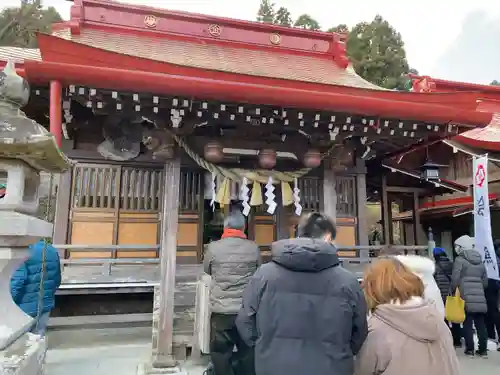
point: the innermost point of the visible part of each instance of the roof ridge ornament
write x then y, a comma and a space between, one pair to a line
20, 137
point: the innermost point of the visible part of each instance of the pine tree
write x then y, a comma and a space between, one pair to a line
305, 21
266, 12
377, 52
283, 17
18, 26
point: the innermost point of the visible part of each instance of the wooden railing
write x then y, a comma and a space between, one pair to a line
366, 254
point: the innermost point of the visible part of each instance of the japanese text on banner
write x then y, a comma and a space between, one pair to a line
482, 219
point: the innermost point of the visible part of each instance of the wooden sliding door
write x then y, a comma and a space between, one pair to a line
121, 205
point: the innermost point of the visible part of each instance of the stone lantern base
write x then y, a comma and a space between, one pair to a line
21, 352
25, 356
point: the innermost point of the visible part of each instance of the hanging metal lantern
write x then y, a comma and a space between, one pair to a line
267, 158
312, 159
213, 152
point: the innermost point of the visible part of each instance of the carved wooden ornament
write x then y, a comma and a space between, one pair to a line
150, 21
214, 30
275, 39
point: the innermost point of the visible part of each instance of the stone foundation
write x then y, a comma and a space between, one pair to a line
25, 356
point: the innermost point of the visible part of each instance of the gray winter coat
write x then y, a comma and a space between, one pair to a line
469, 275
231, 262
303, 312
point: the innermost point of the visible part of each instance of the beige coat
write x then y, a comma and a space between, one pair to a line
409, 339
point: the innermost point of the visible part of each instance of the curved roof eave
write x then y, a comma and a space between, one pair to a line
207, 88
62, 50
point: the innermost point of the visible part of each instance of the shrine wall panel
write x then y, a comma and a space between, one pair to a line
121, 205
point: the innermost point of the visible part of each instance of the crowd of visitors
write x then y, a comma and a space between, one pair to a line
303, 313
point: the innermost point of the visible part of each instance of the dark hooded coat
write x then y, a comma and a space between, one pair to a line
303, 312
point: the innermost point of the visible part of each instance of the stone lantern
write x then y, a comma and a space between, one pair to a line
26, 148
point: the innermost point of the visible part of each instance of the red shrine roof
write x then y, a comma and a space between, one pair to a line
119, 46
488, 101
216, 57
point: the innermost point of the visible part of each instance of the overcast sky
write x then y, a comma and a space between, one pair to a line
451, 39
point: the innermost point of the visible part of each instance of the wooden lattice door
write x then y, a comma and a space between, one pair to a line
121, 205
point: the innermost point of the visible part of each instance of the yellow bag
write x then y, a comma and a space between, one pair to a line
455, 308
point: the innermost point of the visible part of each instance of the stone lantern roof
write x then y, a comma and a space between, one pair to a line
20, 137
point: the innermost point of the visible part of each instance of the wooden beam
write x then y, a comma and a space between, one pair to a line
56, 111
385, 213
61, 219
170, 212
390, 200
329, 193
416, 218
405, 189
282, 218
361, 211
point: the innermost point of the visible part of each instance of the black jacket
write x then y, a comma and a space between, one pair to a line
444, 269
304, 313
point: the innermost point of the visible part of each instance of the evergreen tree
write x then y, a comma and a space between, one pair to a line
283, 17
18, 26
342, 29
378, 55
305, 21
266, 12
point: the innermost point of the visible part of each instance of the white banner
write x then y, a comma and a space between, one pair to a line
482, 219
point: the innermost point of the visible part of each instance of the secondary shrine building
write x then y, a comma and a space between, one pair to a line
193, 114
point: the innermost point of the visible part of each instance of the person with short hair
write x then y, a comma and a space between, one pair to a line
406, 335
231, 262
303, 312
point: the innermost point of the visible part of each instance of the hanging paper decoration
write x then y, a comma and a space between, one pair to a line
214, 193
224, 193
245, 196
256, 199
296, 198
286, 194
271, 204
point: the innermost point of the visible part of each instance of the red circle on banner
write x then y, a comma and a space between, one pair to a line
480, 176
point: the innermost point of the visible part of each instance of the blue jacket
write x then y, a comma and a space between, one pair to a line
25, 283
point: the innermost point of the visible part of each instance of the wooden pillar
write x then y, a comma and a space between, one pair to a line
282, 218
329, 193
61, 220
384, 203
56, 111
168, 257
416, 219
361, 202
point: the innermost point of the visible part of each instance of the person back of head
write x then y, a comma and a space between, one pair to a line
235, 220
388, 280
439, 254
464, 243
317, 225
